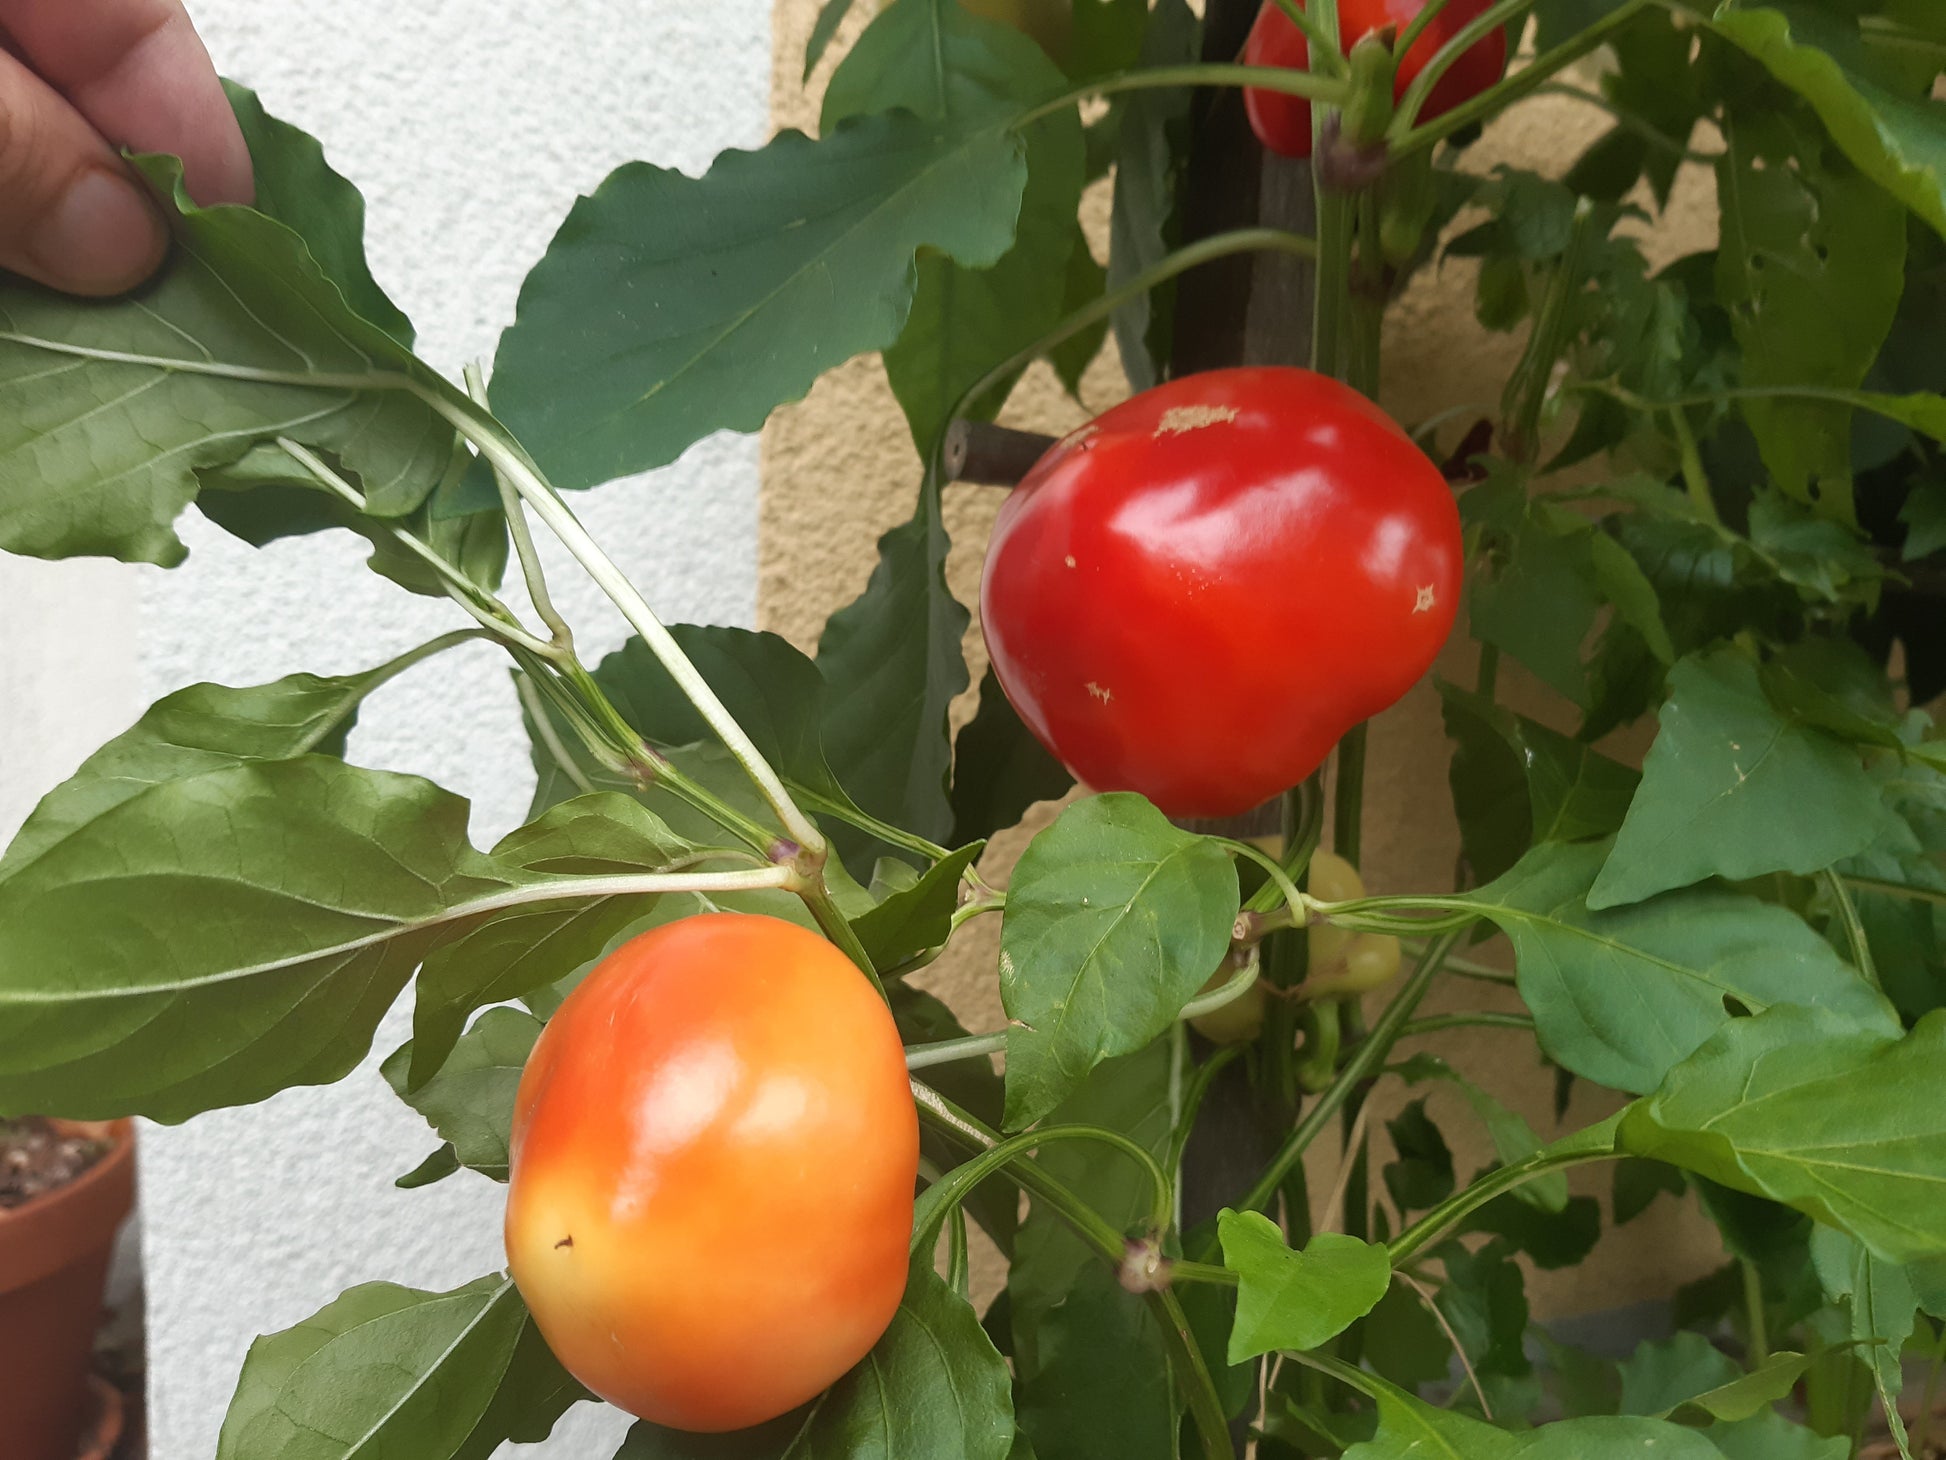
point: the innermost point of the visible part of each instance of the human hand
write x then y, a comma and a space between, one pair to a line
78, 80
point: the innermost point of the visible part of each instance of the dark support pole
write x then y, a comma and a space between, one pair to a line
990, 456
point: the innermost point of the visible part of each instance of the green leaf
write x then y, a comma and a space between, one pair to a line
1924, 516
1811, 268
1516, 782
1296, 1300
1896, 138
1513, 1138
391, 1373
1114, 920
1409, 1429
1660, 1377
938, 60
1804, 1108
831, 15
1092, 1363
1733, 788
1150, 145
1767, 1435
1422, 1177
1622, 995
297, 187
438, 1166
1539, 604
1878, 1304
215, 938
1638, 1183
919, 917
670, 307
526, 947
932, 1388
999, 769
204, 727
1551, 1239
893, 662
470, 1101
109, 407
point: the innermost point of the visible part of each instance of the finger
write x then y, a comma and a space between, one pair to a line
137, 70
70, 214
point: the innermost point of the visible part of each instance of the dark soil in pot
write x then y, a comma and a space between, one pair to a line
65, 1188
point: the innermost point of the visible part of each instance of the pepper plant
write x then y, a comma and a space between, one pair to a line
1712, 492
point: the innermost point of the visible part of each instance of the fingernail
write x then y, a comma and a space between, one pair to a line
101, 237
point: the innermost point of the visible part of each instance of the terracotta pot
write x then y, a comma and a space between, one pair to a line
54, 1255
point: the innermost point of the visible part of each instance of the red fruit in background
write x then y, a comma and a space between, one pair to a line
1283, 123
1196, 595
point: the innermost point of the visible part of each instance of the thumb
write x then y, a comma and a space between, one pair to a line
71, 216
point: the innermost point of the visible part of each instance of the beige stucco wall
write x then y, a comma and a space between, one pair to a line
839, 469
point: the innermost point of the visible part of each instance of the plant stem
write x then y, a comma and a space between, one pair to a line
1416, 27
1520, 83
865, 821
1481, 1019
1597, 1143
504, 457
1448, 55
1753, 1314
1322, 52
1182, 1270
1279, 878
957, 1184
523, 538
1304, 821
1526, 393
1854, 926
1364, 1062
1894, 889
1192, 1101
1193, 1375
973, 1046
1203, 251
1206, 73
549, 737
1695, 479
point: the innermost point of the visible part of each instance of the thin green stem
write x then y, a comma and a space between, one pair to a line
1293, 899
1630, 122
1448, 55
1192, 1374
1333, 281
1348, 805
866, 822
1753, 1314
1527, 79
1182, 1270
1695, 480
953, 1188
1192, 1102
1854, 926
974, 1046
1304, 817
837, 927
1208, 73
523, 537
1597, 1143
549, 737
1323, 50
1894, 889
1416, 27
1203, 251
1554, 327
1364, 1062
1480, 1019
1489, 672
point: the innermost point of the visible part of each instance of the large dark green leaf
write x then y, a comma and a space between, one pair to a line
1735, 788
391, 1373
1512, 1137
470, 1101
109, 407
1091, 1362
938, 60
1890, 132
297, 187
1620, 996
1296, 1300
999, 769
1114, 920
524, 948
669, 307
932, 1388
1800, 1106
1811, 269
892, 661
1767, 1435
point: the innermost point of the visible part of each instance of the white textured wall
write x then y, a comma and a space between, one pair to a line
470, 125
